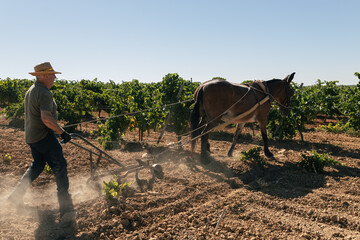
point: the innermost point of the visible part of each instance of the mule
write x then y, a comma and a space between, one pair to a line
219, 101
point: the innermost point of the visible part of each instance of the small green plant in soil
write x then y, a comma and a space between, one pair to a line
337, 128
253, 156
316, 162
48, 170
113, 188
7, 158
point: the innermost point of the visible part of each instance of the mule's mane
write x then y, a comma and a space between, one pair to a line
214, 79
244, 82
274, 80
267, 81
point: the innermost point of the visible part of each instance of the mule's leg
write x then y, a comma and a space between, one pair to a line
196, 131
239, 127
205, 145
205, 149
265, 139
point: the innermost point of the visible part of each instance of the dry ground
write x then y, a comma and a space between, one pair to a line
226, 199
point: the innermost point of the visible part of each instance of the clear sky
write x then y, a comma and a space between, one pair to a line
199, 39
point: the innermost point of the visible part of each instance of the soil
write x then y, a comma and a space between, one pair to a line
225, 199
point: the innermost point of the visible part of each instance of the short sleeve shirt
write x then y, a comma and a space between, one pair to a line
37, 98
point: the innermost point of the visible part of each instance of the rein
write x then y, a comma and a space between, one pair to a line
258, 104
223, 125
268, 97
265, 90
218, 117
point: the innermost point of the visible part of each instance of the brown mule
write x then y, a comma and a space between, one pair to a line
219, 100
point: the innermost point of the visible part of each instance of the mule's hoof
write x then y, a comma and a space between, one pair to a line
205, 160
269, 155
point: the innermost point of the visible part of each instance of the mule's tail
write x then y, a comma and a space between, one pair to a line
195, 117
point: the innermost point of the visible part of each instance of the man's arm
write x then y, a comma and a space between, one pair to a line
50, 122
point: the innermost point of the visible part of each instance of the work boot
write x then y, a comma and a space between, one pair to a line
67, 212
17, 195
65, 203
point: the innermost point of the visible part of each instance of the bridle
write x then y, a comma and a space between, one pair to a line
287, 95
266, 91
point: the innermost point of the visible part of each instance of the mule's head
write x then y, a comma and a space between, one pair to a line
284, 94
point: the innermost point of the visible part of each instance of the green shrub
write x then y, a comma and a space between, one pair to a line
339, 128
316, 162
253, 156
113, 188
7, 158
48, 170
15, 110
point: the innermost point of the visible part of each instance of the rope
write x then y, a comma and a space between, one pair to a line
127, 114
221, 126
271, 96
179, 143
267, 98
205, 124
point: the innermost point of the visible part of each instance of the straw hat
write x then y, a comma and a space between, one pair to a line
43, 68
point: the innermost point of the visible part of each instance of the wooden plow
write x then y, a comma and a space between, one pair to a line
156, 170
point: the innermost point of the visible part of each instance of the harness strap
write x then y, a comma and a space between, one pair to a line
253, 91
265, 88
268, 92
262, 86
225, 112
255, 94
239, 117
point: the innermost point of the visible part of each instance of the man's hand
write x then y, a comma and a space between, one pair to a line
66, 137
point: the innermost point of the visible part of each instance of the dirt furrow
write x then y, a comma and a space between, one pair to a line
272, 211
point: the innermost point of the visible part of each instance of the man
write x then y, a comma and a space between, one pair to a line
40, 128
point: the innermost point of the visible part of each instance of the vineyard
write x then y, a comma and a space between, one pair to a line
309, 190
145, 107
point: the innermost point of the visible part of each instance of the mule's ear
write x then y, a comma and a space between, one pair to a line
289, 77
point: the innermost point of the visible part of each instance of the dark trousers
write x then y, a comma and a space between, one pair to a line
47, 150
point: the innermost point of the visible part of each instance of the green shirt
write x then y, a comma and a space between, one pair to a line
37, 98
